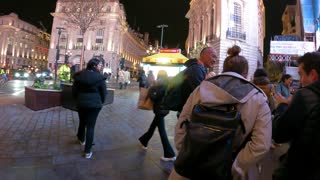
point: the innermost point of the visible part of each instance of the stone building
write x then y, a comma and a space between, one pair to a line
22, 44
110, 38
224, 23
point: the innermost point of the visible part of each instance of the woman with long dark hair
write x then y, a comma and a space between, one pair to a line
89, 89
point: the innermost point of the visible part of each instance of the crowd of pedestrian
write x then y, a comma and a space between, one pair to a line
271, 113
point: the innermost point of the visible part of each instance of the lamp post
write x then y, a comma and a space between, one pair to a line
58, 53
162, 26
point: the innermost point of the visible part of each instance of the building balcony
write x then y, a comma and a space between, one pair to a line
210, 38
236, 34
77, 47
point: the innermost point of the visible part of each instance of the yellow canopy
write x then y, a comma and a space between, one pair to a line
165, 58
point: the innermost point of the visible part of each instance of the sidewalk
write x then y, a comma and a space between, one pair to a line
42, 144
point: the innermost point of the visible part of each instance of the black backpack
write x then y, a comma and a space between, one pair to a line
173, 99
207, 147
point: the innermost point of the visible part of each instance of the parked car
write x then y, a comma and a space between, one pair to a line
45, 74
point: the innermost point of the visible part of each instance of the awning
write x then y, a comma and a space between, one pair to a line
165, 59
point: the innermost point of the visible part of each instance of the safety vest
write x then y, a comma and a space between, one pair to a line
64, 73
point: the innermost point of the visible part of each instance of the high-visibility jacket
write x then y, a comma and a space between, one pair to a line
64, 72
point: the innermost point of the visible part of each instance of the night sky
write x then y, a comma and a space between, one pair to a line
142, 15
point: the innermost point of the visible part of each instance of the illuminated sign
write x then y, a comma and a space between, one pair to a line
174, 50
291, 47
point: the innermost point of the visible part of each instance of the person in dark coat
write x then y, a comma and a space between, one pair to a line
142, 79
150, 79
195, 72
89, 90
261, 79
299, 125
156, 93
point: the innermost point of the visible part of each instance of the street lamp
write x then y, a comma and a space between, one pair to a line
58, 53
67, 55
162, 26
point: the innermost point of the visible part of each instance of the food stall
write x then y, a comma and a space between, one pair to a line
170, 60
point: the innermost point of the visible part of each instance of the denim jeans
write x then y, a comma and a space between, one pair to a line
87, 122
158, 121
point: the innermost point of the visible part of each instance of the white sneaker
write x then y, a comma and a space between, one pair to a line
143, 147
88, 155
168, 159
82, 143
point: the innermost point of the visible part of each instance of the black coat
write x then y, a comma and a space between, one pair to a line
303, 132
156, 94
142, 79
89, 89
194, 74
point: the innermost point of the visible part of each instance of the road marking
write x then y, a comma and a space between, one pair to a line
17, 93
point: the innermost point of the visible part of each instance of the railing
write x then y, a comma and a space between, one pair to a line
236, 34
77, 47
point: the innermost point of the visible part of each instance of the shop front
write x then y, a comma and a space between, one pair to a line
170, 60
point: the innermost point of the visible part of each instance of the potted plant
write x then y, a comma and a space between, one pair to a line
42, 96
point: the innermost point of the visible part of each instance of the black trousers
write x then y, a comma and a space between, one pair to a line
158, 121
87, 122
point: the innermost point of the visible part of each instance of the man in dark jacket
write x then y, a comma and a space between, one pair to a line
300, 124
195, 72
89, 90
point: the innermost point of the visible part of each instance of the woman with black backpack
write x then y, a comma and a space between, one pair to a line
156, 94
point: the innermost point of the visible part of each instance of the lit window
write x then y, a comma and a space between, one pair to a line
99, 41
100, 32
235, 23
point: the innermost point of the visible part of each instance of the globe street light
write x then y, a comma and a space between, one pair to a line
151, 50
67, 55
58, 53
162, 26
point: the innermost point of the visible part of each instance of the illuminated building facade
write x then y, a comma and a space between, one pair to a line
22, 44
111, 38
224, 23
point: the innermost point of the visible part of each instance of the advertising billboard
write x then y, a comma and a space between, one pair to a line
291, 47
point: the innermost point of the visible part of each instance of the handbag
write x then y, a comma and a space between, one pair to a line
144, 101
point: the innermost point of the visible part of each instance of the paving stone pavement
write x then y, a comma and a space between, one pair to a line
36, 145
42, 144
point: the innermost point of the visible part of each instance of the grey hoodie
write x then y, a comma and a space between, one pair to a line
254, 109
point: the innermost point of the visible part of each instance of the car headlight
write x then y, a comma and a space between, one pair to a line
38, 75
51, 74
44, 74
16, 75
25, 75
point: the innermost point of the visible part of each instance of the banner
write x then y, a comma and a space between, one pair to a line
291, 47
